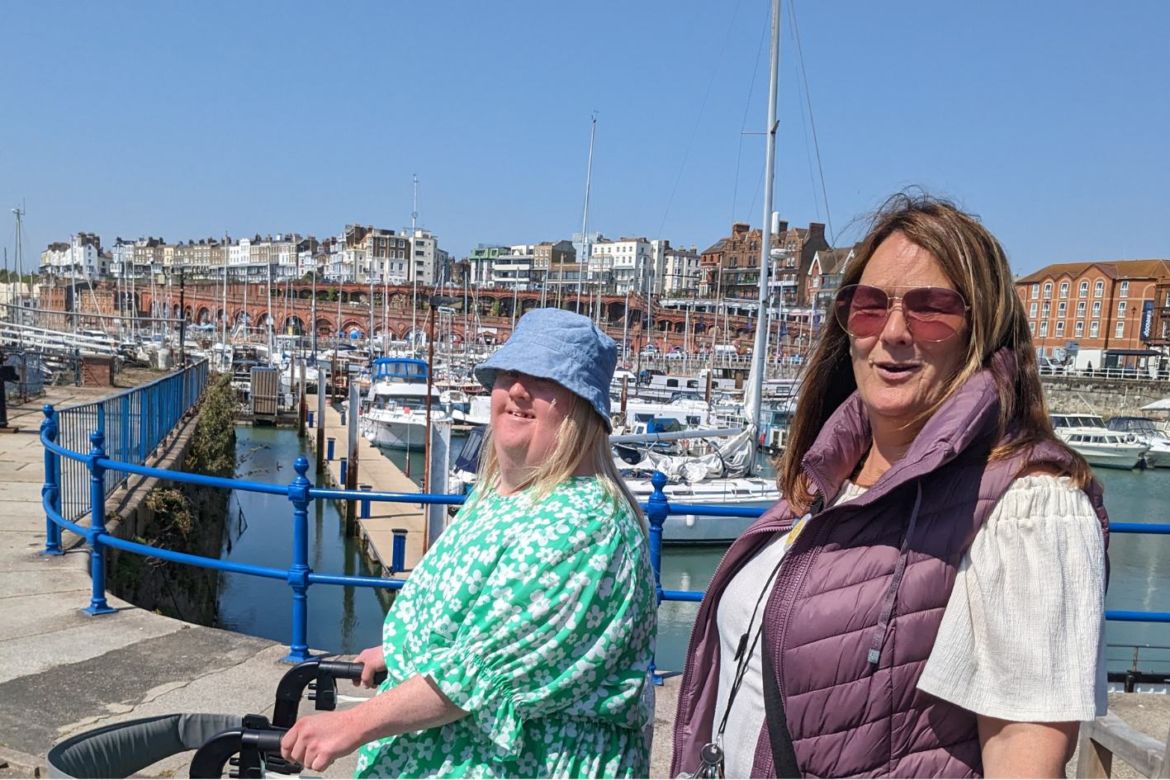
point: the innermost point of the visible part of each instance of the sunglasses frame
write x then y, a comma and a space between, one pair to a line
907, 315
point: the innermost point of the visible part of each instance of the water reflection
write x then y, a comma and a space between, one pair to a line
342, 620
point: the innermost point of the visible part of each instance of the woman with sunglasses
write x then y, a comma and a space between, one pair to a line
928, 598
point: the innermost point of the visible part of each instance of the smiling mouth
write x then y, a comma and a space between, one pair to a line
521, 415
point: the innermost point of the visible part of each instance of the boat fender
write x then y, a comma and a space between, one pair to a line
690, 521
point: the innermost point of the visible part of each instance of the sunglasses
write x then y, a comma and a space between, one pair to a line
931, 313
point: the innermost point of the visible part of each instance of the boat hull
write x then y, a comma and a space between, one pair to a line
692, 529
1113, 458
395, 434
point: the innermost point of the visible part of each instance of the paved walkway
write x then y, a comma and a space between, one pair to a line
62, 672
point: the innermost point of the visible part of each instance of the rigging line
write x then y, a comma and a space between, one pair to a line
811, 121
812, 174
698, 118
743, 123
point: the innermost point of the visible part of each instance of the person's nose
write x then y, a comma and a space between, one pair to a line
896, 330
518, 390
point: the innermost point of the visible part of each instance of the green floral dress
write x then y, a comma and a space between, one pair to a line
538, 621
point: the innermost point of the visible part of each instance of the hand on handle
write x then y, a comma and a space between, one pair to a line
374, 663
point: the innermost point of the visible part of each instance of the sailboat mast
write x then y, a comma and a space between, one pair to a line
223, 319
585, 216
756, 377
410, 265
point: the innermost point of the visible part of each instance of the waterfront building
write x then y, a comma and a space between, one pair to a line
79, 258
824, 277
628, 261
677, 269
730, 267
1100, 313
546, 254
481, 260
425, 257
147, 258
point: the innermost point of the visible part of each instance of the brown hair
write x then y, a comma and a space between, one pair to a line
582, 438
976, 265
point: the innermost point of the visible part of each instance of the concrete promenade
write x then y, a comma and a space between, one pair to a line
63, 672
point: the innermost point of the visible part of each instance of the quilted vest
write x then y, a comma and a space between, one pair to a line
856, 607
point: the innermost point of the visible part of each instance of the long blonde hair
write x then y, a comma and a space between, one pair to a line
977, 266
582, 438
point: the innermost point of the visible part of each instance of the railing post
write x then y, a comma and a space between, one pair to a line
656, 510
97, 525
298, 575
52, 487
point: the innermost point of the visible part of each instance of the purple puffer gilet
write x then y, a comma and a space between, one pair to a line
856, 607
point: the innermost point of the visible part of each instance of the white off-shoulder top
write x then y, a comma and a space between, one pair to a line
1022, 636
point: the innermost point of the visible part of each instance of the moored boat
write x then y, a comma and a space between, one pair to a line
1098, 445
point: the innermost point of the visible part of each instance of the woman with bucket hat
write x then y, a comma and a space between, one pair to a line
520, 645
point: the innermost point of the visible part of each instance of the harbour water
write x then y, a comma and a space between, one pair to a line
347, 620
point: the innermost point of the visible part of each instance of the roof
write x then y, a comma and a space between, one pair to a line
718, 246
1114, 269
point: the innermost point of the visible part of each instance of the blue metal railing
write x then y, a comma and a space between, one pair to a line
97, 465
132, 423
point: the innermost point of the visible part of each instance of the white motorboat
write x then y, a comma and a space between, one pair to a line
1144, 430
1100, 446
395, 414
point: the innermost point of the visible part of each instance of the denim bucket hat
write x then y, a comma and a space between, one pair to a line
562, 346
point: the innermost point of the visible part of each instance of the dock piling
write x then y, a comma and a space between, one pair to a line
398, 556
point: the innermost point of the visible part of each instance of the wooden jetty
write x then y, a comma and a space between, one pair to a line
376, 470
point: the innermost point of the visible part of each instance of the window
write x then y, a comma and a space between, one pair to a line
1081, 309
1043, 328
1125, 289
1094, 329
1032, 310
1061, 309
1064, 289
1079, 330
1032, 327
1119, 331
1096, 308
1048, 289
1060, 327
1046, 310
1083, 290
1035, 290
1099, 289
1121, 310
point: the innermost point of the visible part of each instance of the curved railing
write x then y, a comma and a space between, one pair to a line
300, 493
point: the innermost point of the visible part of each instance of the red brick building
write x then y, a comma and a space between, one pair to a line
730, 268
1107, 314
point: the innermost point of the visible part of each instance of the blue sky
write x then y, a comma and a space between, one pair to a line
1049, 120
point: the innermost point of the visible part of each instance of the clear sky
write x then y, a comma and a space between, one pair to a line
1051, 120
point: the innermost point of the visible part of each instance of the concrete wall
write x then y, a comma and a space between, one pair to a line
1107, 398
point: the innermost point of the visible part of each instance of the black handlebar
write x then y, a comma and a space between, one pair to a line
258, 742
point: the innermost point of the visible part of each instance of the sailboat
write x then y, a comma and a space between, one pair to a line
727, 476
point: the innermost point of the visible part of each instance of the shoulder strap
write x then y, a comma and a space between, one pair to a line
783, 754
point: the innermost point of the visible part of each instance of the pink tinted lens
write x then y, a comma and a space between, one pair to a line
862, 310
934, 313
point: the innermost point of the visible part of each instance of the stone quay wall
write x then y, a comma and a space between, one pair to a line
1104, 397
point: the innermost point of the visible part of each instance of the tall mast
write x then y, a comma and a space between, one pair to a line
754, 391
410, 265
19, 212
585, 248
223, 320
